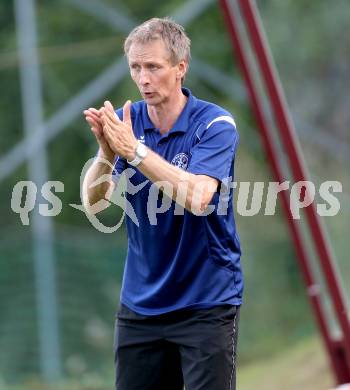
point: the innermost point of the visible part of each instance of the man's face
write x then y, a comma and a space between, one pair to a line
152, 71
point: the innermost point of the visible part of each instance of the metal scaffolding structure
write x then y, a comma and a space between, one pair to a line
247, 36
42, 228
244, 12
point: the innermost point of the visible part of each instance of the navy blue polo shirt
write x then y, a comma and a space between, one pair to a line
175, 259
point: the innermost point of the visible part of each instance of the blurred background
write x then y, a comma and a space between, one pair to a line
60, 277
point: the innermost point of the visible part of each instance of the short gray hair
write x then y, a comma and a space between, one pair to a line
172, 34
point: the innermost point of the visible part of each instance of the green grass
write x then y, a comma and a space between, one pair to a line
302, 367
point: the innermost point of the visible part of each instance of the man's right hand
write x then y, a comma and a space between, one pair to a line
92, 116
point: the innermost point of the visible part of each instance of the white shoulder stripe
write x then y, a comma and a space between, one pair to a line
225, 118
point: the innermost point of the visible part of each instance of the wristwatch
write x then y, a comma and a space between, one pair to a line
140, 153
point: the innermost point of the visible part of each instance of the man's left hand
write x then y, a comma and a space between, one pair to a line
119, 134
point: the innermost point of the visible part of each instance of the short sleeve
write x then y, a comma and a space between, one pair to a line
214, 152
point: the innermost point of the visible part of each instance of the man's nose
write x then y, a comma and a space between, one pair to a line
144, 76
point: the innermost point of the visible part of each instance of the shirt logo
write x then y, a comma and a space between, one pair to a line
180, 160
142, 139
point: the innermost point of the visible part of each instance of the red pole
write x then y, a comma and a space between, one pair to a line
304, 260
292, 148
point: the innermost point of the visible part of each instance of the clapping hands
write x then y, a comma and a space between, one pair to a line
114, 136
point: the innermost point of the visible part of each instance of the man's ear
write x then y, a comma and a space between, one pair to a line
181, 69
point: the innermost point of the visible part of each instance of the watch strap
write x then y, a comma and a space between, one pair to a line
136, 161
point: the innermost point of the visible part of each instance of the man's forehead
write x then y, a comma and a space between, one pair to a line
154, 49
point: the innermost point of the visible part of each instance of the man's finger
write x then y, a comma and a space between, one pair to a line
127, 113
108, 114
108, 105
94, 126
91, 111
96, 134
89, 114
106, 118
109, 108
107, 132
91, 121
94, 111
111, 118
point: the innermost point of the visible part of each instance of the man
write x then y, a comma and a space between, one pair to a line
182, 284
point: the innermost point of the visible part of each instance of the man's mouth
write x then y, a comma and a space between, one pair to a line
148, 94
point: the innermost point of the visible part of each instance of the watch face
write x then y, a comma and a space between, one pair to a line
141, 150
